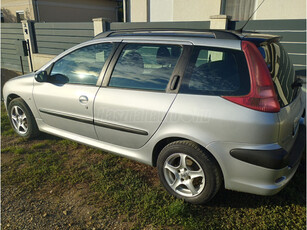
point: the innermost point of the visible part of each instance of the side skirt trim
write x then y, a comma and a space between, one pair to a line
97, 123
120, 128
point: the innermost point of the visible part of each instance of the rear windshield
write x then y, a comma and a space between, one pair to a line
216, 72
282, 71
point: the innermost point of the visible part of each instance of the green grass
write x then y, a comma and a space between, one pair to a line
5, 123
120, 188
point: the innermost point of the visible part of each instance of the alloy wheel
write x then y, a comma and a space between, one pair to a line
184, 174
19, 120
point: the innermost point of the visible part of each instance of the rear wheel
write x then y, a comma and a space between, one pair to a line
188, 172
22, 119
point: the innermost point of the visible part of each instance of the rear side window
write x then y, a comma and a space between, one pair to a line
216, 72
145, 66
282, 71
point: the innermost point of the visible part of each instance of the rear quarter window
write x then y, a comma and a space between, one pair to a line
216, 72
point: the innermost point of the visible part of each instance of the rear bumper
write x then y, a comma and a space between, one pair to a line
256, 176
273, 159
298, 148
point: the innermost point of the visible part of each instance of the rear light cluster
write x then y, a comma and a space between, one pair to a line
262, 96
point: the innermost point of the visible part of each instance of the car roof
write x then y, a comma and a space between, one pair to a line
202, 33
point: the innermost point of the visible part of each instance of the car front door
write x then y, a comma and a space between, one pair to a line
138, 90
65, 98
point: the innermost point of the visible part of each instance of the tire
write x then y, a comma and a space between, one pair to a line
22, 119
188, 172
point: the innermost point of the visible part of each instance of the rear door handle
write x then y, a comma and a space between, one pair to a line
174, 82
83, 99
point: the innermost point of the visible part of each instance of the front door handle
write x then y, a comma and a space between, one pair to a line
83, 99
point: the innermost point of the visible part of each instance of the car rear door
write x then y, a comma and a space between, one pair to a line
291, 101
136, 93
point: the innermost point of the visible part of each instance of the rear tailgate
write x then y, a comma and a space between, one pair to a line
289, 117
289, 96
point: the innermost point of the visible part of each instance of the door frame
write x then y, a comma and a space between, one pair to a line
178, 70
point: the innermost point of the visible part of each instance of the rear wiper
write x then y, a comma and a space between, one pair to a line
297, 83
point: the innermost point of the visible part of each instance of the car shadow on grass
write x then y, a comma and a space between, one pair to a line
293, 193
47, 137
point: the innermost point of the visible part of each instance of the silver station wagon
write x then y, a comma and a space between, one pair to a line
207, 108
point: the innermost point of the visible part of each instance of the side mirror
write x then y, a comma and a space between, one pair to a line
41, 76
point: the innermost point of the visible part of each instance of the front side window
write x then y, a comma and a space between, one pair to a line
145, 66
82, 66
216, 72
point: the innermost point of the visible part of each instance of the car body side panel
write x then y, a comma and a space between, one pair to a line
212, 118
139, 110
220, 126
238, 175
21, 86
64, 110
142, 155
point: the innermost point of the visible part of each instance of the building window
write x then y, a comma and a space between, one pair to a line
20, 15
238, 9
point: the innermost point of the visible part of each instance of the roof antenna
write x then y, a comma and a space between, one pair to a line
241, 29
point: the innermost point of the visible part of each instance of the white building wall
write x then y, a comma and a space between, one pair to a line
161, 10
138, 10
281, 9
195, 10
201, 10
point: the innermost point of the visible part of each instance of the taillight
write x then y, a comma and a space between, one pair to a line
262, 96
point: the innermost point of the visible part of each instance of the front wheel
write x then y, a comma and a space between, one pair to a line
188, 172
22, 119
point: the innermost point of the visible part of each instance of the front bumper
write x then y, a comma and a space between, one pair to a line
256, 176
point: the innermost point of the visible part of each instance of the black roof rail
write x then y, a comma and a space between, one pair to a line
219, 34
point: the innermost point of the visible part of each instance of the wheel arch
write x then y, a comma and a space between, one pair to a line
162, 143
11, 97
32, 125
